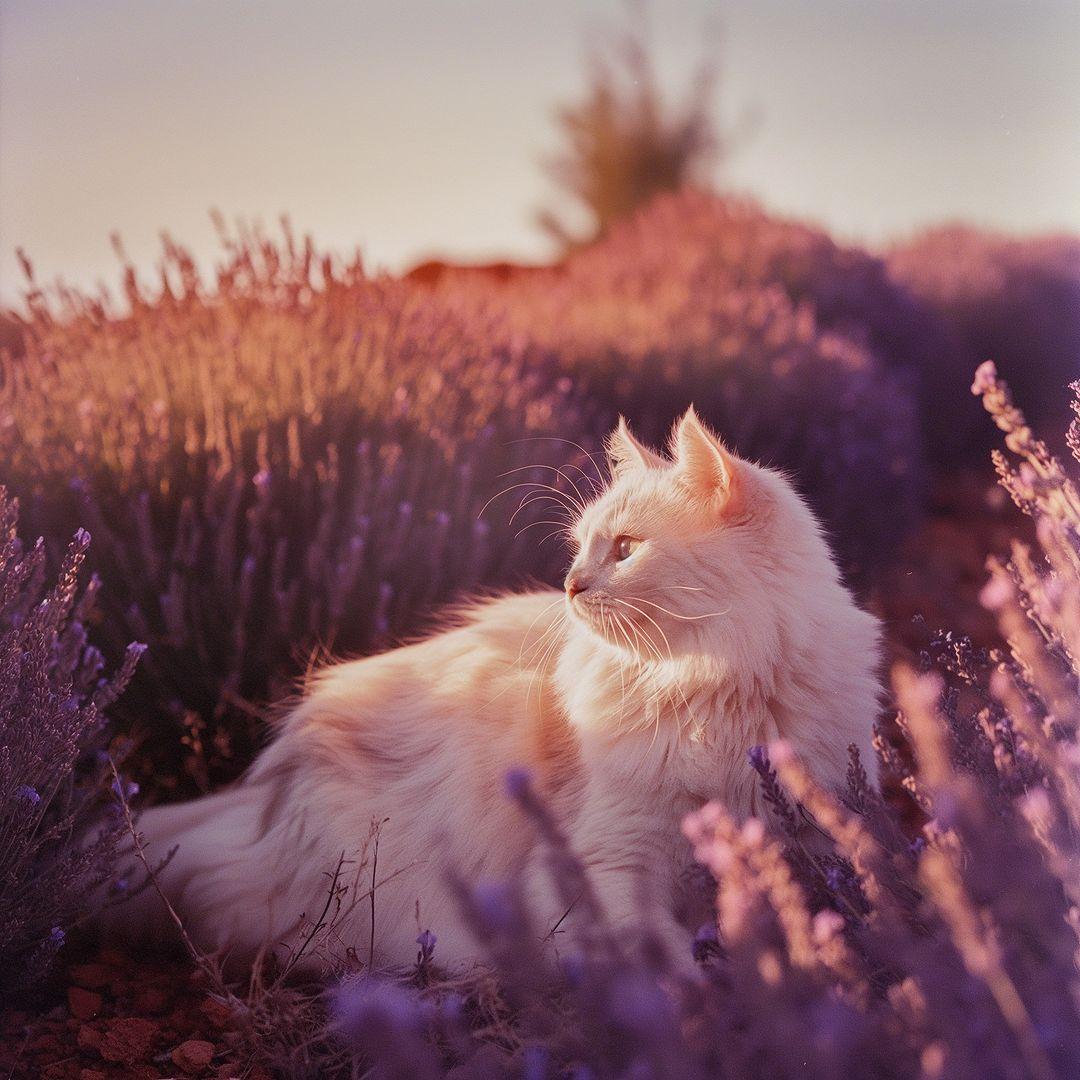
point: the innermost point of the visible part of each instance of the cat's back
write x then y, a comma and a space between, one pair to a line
489, 642
477, 691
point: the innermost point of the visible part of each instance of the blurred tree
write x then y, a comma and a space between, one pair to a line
623, 143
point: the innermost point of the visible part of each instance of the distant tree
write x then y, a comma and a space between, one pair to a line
624, 143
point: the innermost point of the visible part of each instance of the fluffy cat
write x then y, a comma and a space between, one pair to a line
703, 614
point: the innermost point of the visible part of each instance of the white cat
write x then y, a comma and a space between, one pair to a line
702, 615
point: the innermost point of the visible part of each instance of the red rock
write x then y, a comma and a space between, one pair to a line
46, 1042
217, 1012
89, 1038
193, 1056
84, 1004
151, 1000
92, 976
91, 1074
129, 1041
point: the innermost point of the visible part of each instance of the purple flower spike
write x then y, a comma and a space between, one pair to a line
28, 794
758, 758
125, 789
518, 782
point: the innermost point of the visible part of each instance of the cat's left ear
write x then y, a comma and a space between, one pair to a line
626, 454
704, 466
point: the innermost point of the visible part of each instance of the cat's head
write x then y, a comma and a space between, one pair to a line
696, 552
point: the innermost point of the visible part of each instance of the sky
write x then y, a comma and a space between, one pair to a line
413, 128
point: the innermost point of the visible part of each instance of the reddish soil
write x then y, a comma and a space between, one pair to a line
941, 569
108, 1015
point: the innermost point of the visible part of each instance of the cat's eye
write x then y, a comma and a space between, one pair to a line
625, 546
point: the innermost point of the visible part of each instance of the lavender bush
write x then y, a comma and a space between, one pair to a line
56, 841
938, 938
697, 245
673, 307
294, 458
1014, 301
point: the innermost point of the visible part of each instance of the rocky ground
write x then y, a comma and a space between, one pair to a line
109, 1014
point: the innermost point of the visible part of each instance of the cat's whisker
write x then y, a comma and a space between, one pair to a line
528, 500
594, 488
635, 648
645, 614
541, 672
618, 622
558, 472
664, 637
677, 615
525, 639
563, 532
542, 521
622, 670
600, 476
573, 507
545, 639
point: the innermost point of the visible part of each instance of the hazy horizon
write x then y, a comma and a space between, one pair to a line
417, 129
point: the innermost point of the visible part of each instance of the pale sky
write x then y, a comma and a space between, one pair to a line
417, 127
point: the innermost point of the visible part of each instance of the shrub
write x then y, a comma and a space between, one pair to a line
1013, 301
295, 456
624, 143
53, 780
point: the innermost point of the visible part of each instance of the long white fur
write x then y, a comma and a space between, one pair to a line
632, 703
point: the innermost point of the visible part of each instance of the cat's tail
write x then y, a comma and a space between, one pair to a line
210, 873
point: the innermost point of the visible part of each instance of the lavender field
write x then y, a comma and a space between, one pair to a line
235, 479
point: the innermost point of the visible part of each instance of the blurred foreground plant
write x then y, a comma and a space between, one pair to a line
57, 843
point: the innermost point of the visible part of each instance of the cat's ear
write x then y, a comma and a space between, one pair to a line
704, 466
626, 454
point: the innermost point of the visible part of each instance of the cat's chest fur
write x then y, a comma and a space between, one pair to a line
679, 727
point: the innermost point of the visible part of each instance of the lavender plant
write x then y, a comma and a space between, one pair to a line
1015, 301
57, 842
700, 245
295, 458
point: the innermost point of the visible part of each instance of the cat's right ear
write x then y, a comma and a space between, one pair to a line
626, 454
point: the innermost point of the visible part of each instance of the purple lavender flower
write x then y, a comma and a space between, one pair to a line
518, 782
534, 1063
494, 904
125, 789
50, 729
758, 757
706, 942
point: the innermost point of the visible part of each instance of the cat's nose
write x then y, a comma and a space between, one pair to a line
575, 584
